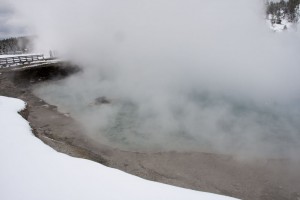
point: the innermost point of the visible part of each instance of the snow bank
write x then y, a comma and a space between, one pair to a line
31, 170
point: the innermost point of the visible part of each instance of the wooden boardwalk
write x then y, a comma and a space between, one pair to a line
21, 60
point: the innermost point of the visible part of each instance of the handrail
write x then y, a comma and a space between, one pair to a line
20, 60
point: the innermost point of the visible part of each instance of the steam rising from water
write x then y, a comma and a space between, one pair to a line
180, 75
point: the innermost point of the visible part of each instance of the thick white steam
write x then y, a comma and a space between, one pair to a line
201, 75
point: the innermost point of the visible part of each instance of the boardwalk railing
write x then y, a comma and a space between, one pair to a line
20, 60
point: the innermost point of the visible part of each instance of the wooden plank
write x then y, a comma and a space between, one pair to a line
10, 60
35, 58
41, 57
29, 59
17, 59
23, 58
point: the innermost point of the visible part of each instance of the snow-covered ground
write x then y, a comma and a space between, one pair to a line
33, 171
284, 25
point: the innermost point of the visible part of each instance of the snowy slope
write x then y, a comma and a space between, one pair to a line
33, 171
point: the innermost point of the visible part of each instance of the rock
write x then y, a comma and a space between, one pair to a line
101, 100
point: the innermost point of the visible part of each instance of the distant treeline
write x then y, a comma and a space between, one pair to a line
284, 9
16, 45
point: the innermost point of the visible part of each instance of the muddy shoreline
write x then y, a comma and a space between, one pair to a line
221, 174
